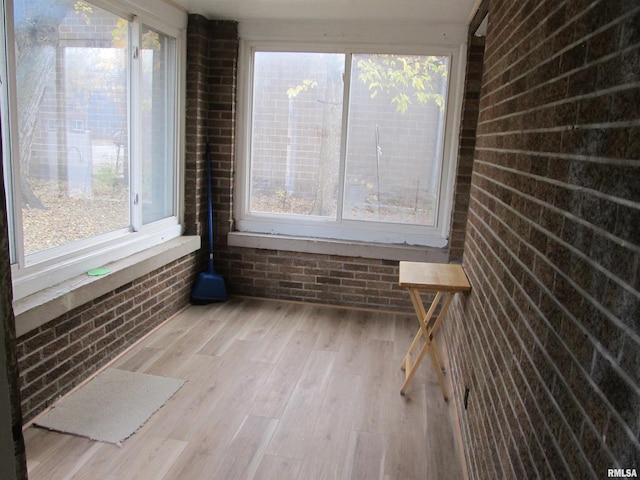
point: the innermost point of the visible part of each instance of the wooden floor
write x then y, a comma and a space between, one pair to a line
277, 391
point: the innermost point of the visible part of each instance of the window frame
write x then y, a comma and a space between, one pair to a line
42, 270
320, 229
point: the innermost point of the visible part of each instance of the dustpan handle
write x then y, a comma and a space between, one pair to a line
209, 202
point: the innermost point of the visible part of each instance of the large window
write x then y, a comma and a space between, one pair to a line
346, 145
90, 122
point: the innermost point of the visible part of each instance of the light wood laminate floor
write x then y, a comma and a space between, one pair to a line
277, 391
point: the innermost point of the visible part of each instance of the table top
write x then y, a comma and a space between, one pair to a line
442, 277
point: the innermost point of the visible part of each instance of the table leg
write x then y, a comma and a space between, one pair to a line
424, 319
426, 332
436, 326
434, 358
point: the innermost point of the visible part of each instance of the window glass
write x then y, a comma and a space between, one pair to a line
157, 112
396, 122
71, 90
297, 115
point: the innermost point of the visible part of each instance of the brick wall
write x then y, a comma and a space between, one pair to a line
212, 52
466, 148
60, 354
548, 339
332, 279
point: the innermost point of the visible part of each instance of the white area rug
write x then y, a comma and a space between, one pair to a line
110, 407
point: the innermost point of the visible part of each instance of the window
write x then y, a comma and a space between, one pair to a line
77, 126
90, 119
347, 145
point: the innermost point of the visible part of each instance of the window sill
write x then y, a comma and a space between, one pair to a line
41, 307
339, 247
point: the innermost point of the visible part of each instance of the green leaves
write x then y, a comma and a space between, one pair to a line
411, 78
303, 87
405, 79
84, 10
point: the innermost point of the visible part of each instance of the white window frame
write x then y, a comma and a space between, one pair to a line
42, 270
345, 230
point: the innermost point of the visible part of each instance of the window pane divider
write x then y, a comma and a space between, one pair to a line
346, 89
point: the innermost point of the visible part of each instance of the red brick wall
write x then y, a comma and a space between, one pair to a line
548, 339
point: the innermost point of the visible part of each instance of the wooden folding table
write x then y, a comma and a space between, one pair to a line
445, 280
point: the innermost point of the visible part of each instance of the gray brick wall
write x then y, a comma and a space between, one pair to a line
547, 341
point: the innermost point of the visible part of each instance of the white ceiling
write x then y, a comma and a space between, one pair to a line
392, 11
